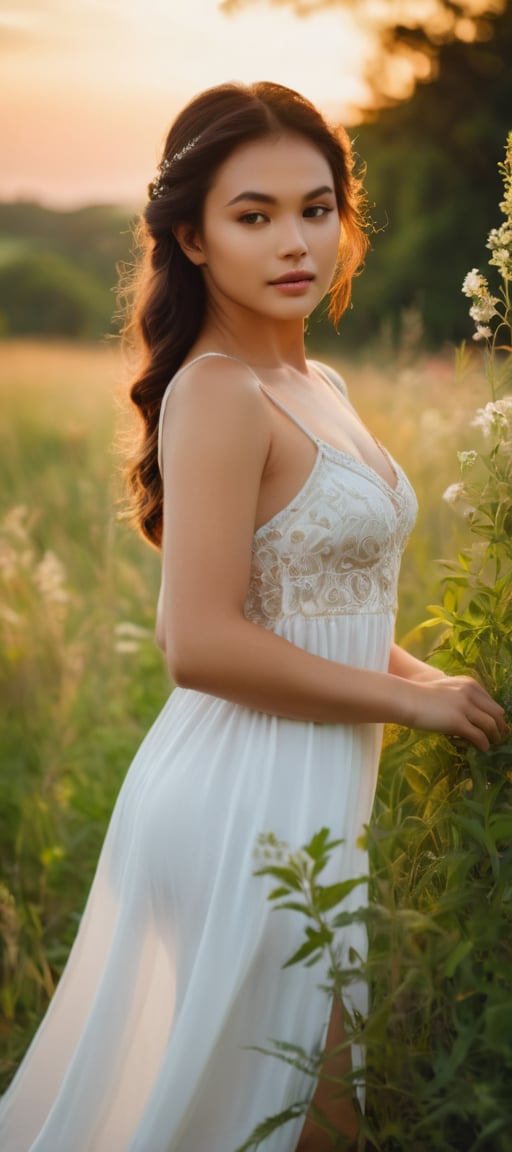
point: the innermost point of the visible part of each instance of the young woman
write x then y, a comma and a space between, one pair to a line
281, 523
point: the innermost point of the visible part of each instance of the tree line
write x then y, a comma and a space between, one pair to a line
433, 185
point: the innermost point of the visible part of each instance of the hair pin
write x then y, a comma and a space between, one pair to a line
158, 186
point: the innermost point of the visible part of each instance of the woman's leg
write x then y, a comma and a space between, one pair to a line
338, 1109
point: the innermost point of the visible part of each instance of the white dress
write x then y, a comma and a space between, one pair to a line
176, 969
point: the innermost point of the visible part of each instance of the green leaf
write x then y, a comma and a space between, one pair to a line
316, 941
271, 1125
328, 897
459, 953
287, 875
498, 1028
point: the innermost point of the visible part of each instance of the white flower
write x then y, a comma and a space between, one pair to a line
473, 283
456, 496
454, 493
467, 459
502, 260
506, 204
483, 309
494, 417
483, 332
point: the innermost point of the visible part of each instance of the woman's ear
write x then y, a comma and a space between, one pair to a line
189, 241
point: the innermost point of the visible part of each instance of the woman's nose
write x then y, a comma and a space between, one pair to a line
292, 241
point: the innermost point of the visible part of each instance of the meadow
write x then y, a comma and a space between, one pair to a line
81, 679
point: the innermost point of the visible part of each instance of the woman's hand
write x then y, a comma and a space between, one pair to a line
456, 706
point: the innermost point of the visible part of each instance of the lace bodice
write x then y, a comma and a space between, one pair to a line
336, 548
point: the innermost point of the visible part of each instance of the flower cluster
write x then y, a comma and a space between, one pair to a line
486, 307
496, 420
500, 239
483, 307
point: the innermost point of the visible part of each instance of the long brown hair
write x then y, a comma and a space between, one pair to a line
167, 293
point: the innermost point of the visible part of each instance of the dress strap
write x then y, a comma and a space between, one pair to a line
170, 386
334, 381
331, 378
291, 415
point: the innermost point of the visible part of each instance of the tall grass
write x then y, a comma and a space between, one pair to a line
80, 678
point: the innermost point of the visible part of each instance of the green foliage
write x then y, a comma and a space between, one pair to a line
58, 269
431, 173
43, 295
438, 1034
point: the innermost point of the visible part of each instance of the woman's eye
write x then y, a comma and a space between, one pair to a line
252, 218
316, 210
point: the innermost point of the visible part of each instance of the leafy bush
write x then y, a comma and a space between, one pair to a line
58, 269
438, 1034
41, 293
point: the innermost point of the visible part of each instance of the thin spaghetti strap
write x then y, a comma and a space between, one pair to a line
170, 386
291, 415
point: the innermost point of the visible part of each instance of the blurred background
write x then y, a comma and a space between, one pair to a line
88, 89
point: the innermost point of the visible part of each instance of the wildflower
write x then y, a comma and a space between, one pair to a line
500, 243
474, 283
49, 578
506, 170
456, 496
467, 459
484, 308
454, 493
496, 417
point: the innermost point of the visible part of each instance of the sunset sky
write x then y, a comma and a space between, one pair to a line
89, 87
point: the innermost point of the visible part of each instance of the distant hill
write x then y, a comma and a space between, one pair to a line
58, 269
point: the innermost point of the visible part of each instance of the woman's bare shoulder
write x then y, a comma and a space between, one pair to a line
216, 373
218, 397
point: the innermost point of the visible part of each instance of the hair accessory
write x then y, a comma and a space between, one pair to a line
157, 187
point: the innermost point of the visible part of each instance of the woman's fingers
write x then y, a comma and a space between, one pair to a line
460, 706
485, 716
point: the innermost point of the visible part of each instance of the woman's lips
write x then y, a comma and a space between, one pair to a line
293, 277
293, 283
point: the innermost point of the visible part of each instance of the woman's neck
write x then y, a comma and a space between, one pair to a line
259, 342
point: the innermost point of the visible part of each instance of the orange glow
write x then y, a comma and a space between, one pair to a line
88, 89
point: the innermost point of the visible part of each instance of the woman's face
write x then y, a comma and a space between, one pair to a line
270, 232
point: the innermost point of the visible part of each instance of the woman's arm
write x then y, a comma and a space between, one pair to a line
401, 663
216, 446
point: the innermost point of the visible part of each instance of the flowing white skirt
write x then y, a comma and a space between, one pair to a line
177, 967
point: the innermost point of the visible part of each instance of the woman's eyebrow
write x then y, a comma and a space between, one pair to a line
264, 198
